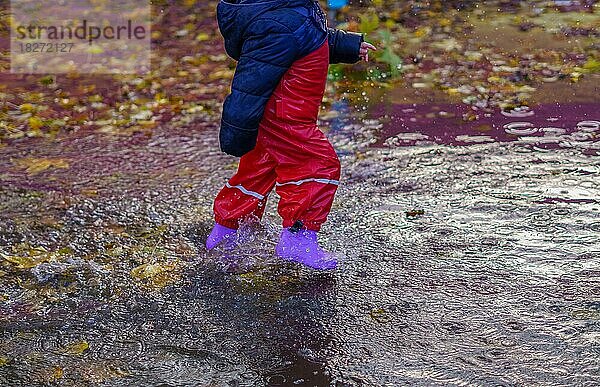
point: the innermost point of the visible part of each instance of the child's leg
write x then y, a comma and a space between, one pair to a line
246, 193
308, 174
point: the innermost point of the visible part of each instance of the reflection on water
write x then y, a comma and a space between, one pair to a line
471, 256
544, 125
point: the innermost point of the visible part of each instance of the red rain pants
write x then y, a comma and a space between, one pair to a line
291, 154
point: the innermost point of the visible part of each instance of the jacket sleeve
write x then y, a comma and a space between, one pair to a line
344, 47
264, 58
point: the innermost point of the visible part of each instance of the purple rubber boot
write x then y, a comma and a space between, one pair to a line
303, 247
219, 234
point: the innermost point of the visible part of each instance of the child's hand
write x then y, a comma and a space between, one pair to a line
364, 50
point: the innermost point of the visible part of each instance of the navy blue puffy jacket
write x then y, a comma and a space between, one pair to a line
266, 37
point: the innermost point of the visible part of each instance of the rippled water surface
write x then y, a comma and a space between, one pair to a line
469, 256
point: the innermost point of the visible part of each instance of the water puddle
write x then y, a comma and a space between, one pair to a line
544, 126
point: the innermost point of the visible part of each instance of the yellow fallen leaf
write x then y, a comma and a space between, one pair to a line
422, 31
157, 275
24, 263
108, 129
147, 123
233, 166
95, 98
76, 348
68, 102
203, 37
217, 58
147, 270
35, 123
526, 89
3, 361
87, 89
27, 108
21, 262
221, 74
95, 50
379, 314
57, 374
34, 165
576, 77
444, 22
89, 192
